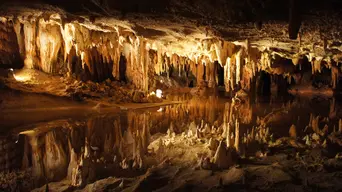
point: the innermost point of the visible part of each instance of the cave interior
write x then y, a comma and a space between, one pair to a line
172, 95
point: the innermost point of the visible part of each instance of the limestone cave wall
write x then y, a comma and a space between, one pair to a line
55, 42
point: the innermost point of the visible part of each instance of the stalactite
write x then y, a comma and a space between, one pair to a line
145, 64
30, 45
228, 139
42, 40
232, 72
211, 69
316, 65
18, 28
227, 77
159, 64
238, 66
49, 42
237, 136
265, 60
200, 73
68, 36
220, 52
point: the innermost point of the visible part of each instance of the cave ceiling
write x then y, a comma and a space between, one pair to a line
181, 26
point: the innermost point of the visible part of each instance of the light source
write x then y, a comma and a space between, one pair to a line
159, 93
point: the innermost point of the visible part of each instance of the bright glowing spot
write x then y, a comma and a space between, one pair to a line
161, 81
159, 93
160, 110
11, 69
27, 132
22, 76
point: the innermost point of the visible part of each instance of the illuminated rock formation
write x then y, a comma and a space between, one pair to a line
97, 49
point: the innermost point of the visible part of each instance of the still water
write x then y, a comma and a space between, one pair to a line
84, 145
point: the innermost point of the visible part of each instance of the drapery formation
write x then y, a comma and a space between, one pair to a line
90, 51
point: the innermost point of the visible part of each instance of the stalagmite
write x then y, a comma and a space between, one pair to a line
223, 157
213, 144
293, 132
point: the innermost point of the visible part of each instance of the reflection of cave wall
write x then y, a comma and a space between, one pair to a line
10, 154
109, 139
264, 83
54, 154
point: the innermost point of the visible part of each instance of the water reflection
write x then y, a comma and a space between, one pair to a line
119, 144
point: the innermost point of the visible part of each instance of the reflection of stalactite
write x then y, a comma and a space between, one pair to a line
25, 161
245, 112
72, 162
55, 159
314, 123
37, 160
334, 76
332, 108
